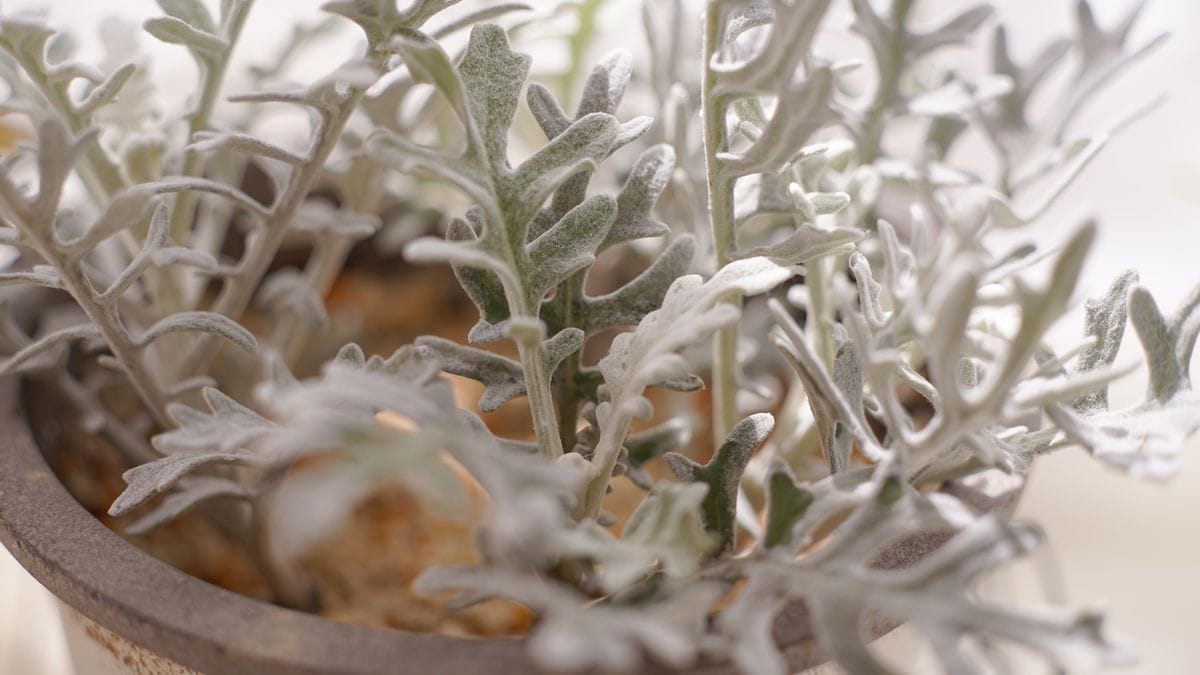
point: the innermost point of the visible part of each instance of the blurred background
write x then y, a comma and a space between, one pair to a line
1130, 547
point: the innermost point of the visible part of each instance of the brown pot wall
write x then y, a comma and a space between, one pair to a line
196, 624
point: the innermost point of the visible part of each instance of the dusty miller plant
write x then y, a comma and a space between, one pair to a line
773, 169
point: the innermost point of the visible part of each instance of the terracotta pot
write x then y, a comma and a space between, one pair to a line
143, 616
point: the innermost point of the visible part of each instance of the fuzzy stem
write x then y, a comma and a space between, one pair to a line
100, 175
321, 271
213, 76
541, 399
103, 316
238, 289
528, 331
820, 318
567, 297
720, 207
86, 403
608, 449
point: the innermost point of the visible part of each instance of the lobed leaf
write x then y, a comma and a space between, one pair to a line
192, 12
26, 355
801, 111
191, 491
723, 473
576, 149
808, 243
672, 523
209, 141
204, 322
1105, 321
691, 311
646, 182
561, 345
501, 377
605, 86
492, 75
174, 31
630, 303
569, 246
846, 578
228, 427
793, 28
787, 503
149, 480
107, 91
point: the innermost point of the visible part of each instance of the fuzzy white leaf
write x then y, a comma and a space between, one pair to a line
228, 427
801, 111
291, 292
1145, 441
192, 491
431, 250
26, 355
570, 245
691, 311
191, 12
104, 93
846, 577
501, 377
174, 31
793, 28
152, 479
645, 183
41, 275
808, 243
205, 322
209, 141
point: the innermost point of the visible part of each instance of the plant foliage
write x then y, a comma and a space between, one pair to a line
773, 169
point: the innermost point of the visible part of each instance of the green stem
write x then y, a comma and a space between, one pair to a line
608, 449
720, 207
566, 388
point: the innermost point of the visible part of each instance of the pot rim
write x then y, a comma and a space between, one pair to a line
210, 629
203, 626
